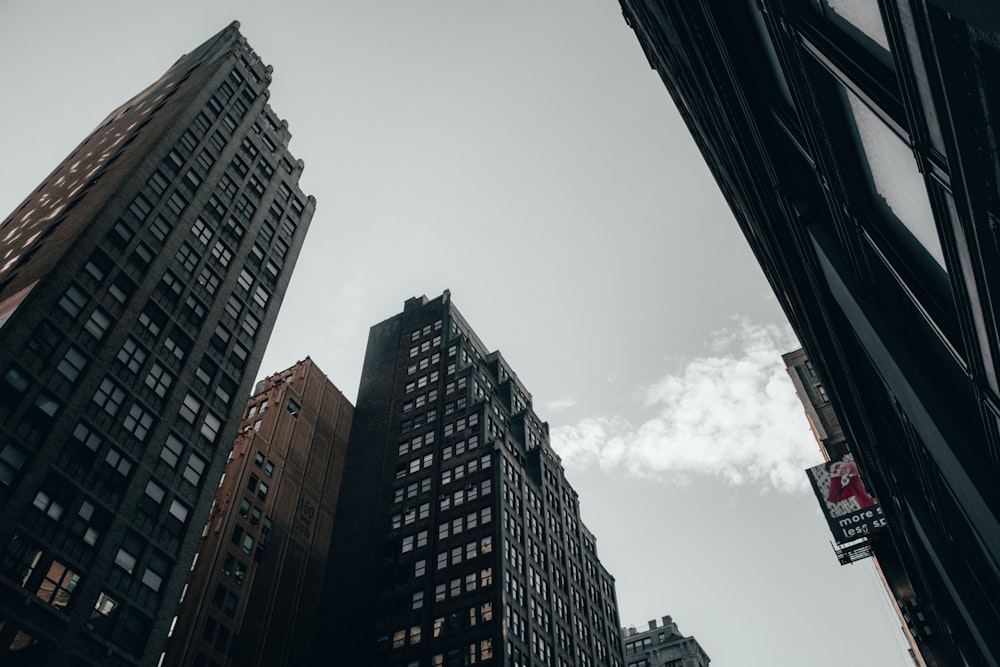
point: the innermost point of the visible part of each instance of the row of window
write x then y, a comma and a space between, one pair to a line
423, 364
415, 443
458, 472
417, 421
422, 382
409, 515
420, 401
44, 406
467, 584
460, 425
462, 446
458, 554
416, 334
452, 527
469, 521
414, 465
468, 494
426, 346
129, 555
88, 523
411, 490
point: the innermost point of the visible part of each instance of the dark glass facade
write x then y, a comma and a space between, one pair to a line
855, 143
138, 286
457, 539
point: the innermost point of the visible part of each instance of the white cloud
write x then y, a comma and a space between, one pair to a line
733, 414
560, 404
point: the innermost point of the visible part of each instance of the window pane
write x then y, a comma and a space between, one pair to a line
862, 15
895, 178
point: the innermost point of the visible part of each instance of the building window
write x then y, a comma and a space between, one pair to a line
895, 179
210, 427
177, 517
44, 340
142, 256
48, 502
239, 573
72, 364
238, 356
189, 142
195, 469
208, 280
177, 203
156, 571
152, 498
121, 288
250, 324
117, 466
161, 228
172, 450
177, 343
159, 380
201, 231
120, 234
863, 21
205, 160
187, 257
234, 228
193, 310
171, 286
99, 265
189, 408
98, 323
140, 207
129, 552
102, 618
11, 461
109, 396
58, 586
153, 319
138, 421
261, 297
223, 254
73, 300
173, 162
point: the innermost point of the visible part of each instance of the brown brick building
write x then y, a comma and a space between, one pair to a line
254, 589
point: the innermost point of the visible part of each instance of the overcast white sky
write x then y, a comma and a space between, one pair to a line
522, 154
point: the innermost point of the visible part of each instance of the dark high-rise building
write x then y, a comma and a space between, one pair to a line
457, 538
662, 645
138, 286
856, 145
253, 592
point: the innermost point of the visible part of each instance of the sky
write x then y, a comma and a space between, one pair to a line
523, 155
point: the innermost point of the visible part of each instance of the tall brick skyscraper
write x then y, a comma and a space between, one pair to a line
457, 538
138, 286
